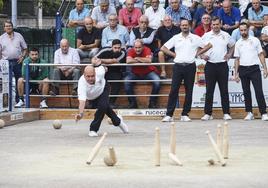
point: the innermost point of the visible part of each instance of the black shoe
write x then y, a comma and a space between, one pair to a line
74, 92
54, 91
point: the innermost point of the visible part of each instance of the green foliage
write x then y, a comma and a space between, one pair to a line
1, 4
50, 7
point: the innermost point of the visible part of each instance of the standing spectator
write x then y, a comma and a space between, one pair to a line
14, 49
207, 8
77, 15
204, 27
186, 47
112, 55
177, 12
65, 55
88, 40
129, 16
100, 14
163, 34
141, 54
216, 68
248, 53
35, 73
230, 16
255, 16
155, 14
114, 31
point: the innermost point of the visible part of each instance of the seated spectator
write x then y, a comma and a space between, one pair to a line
191, 5
206, 9
204, 27
35, 73
77, 15
88, 40
113, 3
101, 13
112, 55
244, 5
230, 16
141, 54
129, 16
155, 14
163, 34
177, 11
264, 36
255, 16
65, 55
114, 31
236, 35
143, 32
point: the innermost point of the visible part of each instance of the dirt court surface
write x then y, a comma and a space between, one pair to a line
36, 155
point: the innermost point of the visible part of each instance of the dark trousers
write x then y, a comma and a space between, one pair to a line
253, 74
217, 73
181, 72
16, 69
115, 86
103, 107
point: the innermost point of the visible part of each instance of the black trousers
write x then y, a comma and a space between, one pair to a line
115, 86
217, 73
16, 69
181, 72
252, 74
103, 107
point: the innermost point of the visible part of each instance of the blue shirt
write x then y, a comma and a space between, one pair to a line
74, 15
120, 33
236, 35
176, 16
201, 11
230, 19
257, 16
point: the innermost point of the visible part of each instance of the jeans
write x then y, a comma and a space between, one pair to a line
16, 69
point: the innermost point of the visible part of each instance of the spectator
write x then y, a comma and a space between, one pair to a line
14, 49
88, 40
101, 13
112, 55
255, 16
129, 16
191, 5
163, 34
141, 54
77, 15
177, 12
155, 14
113, 3
244, 5
236, 35
35, 73
143, 32
204, 27
65, 55
230, 16
206, 9
114, 31
264, 36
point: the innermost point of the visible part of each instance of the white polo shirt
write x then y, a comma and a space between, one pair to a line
185, 47
219, 42
248, 50
155, 17
88, 91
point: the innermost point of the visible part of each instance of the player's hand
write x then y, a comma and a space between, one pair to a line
236, 78
78, 117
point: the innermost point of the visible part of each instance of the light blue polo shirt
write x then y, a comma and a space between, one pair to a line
257, 16
74, 15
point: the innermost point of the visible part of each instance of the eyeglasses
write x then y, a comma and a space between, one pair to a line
206, 18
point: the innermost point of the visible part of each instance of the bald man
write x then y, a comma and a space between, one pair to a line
93, 86
77, 15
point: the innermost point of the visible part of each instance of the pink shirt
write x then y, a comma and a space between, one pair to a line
130, 19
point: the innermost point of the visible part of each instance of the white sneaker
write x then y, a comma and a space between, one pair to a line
92, 134
227, 117
43, 104
122, 125
19, 104
264, 117
185, 118
168, 119
249, 116
206, 117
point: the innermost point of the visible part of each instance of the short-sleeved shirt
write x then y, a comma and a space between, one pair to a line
11, 48
72, 57
265, 31
36, 72
201, 11
114, 3
257, 16
164, 34
89, 38
188, 3
236, 35
130, 19
220, 43
108, 35
230, 19
176, 15
75, 15
102, 17
155, 17
141, 70
247, 50
185, 47
200, 31
88, 91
